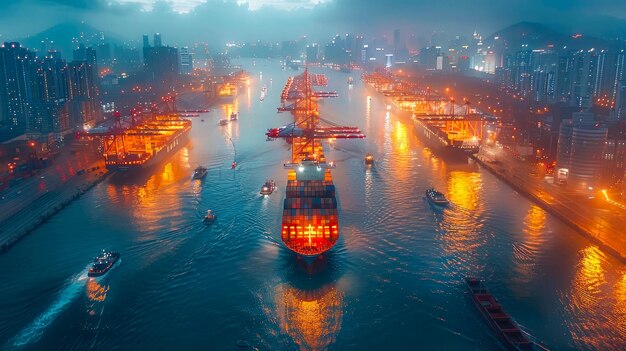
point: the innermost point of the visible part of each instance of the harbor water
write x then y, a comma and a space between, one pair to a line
393, 281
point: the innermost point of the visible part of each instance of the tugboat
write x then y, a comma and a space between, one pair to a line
223, 122
210, 217
369, 159
268, 188
234, 116
233, 165
199, 172
436, 197
500, 321
103, 263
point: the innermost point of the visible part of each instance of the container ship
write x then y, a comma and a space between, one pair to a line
147, 143
310, 216
446, 143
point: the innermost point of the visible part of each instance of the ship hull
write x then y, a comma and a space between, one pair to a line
170, 149
435, 143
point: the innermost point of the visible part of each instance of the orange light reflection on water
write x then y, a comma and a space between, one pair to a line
463, 189
145, 199
532, 241
462, 225
311, 318
95, 291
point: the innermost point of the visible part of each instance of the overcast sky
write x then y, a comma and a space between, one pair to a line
191, 20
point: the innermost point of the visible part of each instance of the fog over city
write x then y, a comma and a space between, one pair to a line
184, 21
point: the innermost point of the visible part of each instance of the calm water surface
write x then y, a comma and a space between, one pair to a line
393, 281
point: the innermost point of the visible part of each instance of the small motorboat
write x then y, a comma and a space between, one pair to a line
199, 172
223, 122
436, 198
369, 159
103, 263
268, 188
234, 116
210, 217
233, 165
202, 120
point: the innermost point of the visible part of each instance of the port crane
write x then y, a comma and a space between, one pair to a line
308, 126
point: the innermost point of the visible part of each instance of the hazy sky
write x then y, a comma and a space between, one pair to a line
220, 20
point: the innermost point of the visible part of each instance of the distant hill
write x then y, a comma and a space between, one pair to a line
537, 35
64, 37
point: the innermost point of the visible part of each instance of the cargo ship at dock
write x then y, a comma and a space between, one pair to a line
448, 144
146, 144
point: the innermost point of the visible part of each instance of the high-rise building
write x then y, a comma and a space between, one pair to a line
15, 87
564, 146
157, 40
161, 65
50, 104
186, 61
581, 153
83, 92
88, 55
312, 53
588, 146
614, 159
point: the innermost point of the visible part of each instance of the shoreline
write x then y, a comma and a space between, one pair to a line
553, 211
25, 221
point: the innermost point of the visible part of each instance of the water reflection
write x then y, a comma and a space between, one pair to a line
462, 222
401, 138
532, 242
312, 318
309, 305
589, 303
95, 291
148, 196
464, 188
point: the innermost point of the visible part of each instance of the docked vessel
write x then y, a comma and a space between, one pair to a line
450, 144
369, 159
500, 321
210, 217
234, 116
436, 198
199, 172
146, 144
103, 263
227, 92
268, 188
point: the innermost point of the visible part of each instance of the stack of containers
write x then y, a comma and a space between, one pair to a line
310, 216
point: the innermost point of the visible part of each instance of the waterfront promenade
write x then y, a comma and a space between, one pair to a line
593, 217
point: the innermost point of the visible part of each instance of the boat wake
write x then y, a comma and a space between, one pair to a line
33, 331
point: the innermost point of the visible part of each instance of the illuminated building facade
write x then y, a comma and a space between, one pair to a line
581, 153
